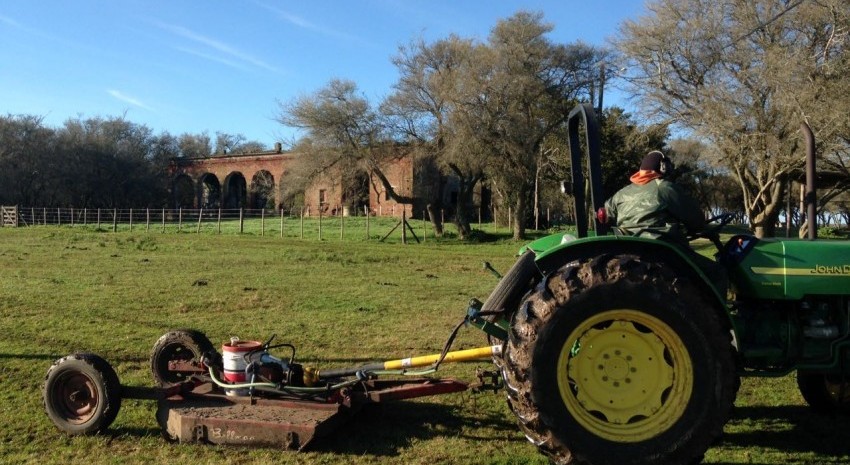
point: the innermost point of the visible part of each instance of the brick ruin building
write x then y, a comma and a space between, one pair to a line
255, 180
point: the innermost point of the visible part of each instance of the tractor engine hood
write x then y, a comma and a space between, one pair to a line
788, 269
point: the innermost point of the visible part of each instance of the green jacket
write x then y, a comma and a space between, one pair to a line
657, 209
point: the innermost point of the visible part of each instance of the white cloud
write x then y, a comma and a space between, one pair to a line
303, 23
216, 45
10, 22
128, 99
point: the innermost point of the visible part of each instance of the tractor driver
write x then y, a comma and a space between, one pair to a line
655, 207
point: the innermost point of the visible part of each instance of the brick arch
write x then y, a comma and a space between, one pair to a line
210, 192
261, 191
235, 191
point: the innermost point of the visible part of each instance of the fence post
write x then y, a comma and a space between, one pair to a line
219, 221
179, 219
72, 216
98, 218
341, 225
114, 220
200, 215
131, 220
58, 217
147, 219
281, 221
424, 225
262, 222
241, 220
404, 226
163, 220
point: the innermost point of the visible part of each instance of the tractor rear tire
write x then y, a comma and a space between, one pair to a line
507, 295
619, 360
81, 394
186, 345
825, 393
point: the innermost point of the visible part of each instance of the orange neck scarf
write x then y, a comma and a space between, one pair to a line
644, 176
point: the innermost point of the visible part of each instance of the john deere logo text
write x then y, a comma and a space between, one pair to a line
831, 269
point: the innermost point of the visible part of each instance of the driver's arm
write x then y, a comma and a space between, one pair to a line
685, 208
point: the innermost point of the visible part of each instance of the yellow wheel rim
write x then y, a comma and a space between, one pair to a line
625, 375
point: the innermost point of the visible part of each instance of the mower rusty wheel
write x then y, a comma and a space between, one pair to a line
182, 345
618, 360
825, 393
81, 394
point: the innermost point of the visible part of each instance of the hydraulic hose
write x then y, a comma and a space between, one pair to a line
280, 388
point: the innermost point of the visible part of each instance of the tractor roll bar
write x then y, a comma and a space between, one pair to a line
811, 194
585, 113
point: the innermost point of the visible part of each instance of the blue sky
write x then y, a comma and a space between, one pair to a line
223, 65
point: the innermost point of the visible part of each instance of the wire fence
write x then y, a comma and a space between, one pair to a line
259, 222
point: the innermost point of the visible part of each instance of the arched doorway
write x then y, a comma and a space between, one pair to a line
235, 190
262, 190
209, 191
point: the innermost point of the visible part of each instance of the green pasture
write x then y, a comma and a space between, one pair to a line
339, 301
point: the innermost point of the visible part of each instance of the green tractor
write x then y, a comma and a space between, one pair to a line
620, 350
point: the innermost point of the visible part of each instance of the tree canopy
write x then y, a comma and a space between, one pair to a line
743, 75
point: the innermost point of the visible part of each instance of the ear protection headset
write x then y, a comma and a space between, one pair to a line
666, 166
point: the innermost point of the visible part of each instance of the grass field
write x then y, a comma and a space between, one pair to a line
64, 290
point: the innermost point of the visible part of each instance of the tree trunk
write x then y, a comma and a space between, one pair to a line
462, 210
436, 219
518, 219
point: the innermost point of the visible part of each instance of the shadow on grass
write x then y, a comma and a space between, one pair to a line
790, 430
384, 430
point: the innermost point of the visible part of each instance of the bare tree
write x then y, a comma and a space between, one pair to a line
519, 92
744, 74
194, 145
420, 111
344, 131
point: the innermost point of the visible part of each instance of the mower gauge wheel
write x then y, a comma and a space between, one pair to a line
81, 394
183, 345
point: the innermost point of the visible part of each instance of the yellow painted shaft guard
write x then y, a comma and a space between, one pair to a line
455, 356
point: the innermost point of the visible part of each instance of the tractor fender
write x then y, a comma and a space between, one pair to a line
569, 250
